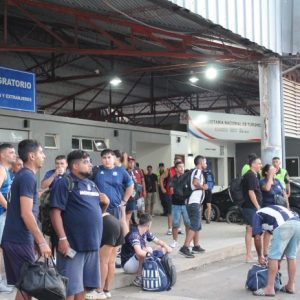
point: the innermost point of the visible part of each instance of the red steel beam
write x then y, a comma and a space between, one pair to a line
135, 27
121, 52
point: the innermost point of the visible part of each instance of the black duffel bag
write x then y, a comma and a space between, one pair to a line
41, 280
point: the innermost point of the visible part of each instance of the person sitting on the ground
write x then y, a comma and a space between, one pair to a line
285, 226
135, 249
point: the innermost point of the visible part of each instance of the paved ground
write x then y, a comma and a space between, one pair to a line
222, 280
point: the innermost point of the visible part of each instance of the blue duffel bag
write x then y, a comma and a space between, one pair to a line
257, 278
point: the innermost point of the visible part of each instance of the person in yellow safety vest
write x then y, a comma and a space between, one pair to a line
246, 167
282, 175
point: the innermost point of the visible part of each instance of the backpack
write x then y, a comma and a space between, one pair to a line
182, 187
257, 278
154, 276
236, 190
44, 208
209, 179
169, 268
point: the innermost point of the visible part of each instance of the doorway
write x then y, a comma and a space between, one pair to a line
292, 166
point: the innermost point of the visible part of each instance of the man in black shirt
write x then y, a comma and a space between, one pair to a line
252, 200
151, 183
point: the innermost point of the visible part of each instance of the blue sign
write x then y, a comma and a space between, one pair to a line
17, 90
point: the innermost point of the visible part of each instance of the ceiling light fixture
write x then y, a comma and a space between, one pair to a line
115, 81
211, 73
193, 79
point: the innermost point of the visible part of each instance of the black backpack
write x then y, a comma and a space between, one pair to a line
236, 190
169, 268
182, 185
44, 209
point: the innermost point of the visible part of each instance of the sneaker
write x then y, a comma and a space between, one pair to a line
107, 293
179, 231
4, 288
169, 232
197, 249
118, 261
94, 294
185, 251
207, 221
138, 281
174, 244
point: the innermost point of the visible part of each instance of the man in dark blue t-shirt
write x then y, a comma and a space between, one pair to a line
285, 228
21, 230
114, 182
77, 221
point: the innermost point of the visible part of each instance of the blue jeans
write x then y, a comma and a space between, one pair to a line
177, 212
194, 213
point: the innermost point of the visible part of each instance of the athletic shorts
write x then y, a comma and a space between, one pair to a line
131, 205
177, 212
15, 255
194, 213
82, 271
2, 223
248, 214
131, 266
208, 196
285, 240
168, 203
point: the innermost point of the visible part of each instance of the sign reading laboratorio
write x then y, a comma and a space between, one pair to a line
17, 90
219, 126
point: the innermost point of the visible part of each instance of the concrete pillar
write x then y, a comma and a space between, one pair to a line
270, 87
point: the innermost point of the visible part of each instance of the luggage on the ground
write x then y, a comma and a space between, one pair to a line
154, 276
169, 268
44, 211
257, 278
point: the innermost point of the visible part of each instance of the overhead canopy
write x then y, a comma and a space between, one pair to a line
76, 47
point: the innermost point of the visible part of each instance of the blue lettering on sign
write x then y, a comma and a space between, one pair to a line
17, 90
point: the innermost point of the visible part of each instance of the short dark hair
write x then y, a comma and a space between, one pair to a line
27, 146
149, 167
60, 157
265, 169
145, 219
107, 151
76, 155
5, 146
178, 163
252, 160
275, 157
197, 159
161, 165
118, 153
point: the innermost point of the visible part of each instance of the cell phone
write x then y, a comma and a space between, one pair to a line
71, 253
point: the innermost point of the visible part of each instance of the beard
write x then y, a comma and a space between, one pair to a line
85, 174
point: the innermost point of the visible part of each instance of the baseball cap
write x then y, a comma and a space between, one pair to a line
131, 158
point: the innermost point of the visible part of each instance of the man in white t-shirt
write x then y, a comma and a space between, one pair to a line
194, 208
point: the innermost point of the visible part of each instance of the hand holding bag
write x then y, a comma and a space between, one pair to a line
42, 281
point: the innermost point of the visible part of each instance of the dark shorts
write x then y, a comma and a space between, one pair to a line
248, 214
115, 211
112, 232
167, 199
131, 205
14, 257
194, 214
208, 196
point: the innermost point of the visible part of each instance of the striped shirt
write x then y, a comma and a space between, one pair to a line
271, 217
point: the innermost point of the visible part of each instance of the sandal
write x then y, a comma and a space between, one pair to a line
285, 290
260, 292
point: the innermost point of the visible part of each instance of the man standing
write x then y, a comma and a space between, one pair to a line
210, 181
21, 230
77, 220
285, 226
161, 170
52, 176
114, 182
194, 208
151, 184
252, 201
16, 167
7, 158
282, 175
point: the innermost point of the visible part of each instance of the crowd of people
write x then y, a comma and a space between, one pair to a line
104, 211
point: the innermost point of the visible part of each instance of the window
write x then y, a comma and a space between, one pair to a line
75, 144
99, 145
87, 144
51, 141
